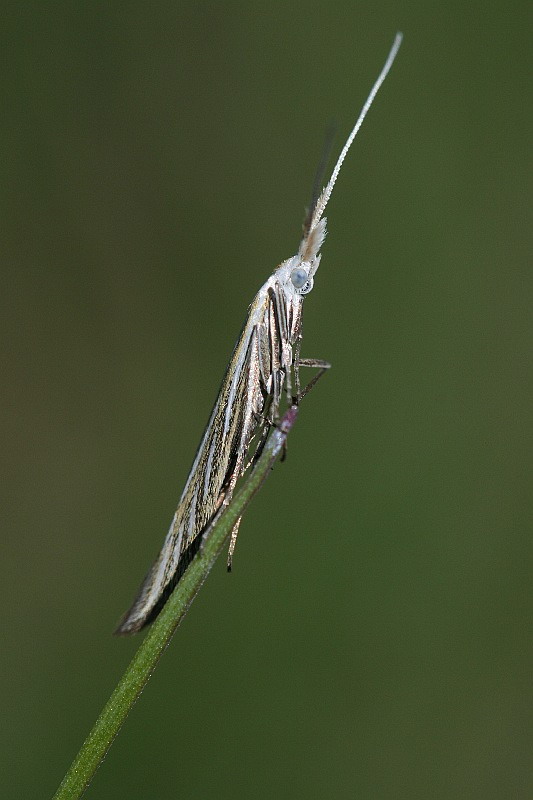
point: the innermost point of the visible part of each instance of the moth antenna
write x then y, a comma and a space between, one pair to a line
319, 175
322, 202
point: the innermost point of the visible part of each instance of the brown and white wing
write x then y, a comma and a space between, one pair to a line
245, 397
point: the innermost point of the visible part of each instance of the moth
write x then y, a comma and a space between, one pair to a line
263, 369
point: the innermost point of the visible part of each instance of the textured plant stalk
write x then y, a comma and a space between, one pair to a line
145, 660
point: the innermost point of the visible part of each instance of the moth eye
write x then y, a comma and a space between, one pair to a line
299, 277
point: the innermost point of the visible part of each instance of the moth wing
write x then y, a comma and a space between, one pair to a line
220, 461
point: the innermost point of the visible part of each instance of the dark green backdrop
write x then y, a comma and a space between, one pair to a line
374, 640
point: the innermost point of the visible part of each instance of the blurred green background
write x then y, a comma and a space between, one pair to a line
374, 640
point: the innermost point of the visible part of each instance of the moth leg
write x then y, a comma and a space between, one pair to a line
296, 365
267, 425
316, 363
281, 358
298, 361
232, 543
271, 417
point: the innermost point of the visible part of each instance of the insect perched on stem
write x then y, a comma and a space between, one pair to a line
264, 367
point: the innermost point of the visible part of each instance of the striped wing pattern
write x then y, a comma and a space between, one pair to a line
250, 392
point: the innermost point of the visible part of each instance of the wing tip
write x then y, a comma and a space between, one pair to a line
129, 623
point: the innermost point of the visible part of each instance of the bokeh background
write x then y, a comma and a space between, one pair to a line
374, 640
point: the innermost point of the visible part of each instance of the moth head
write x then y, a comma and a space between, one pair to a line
301, 278
308, 258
